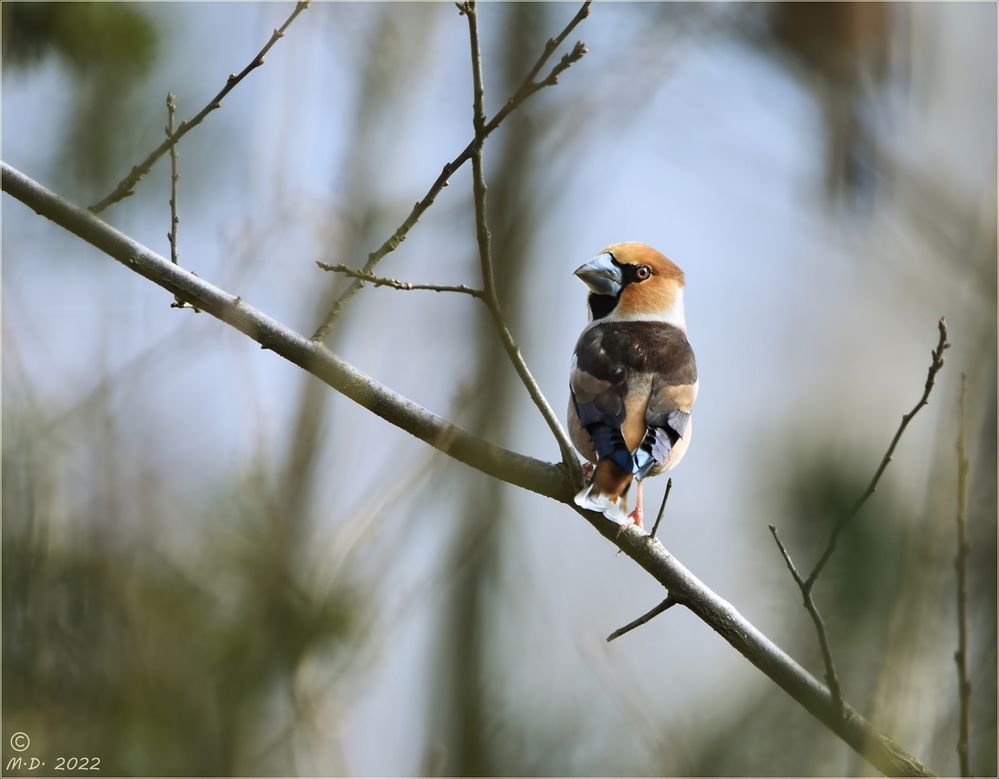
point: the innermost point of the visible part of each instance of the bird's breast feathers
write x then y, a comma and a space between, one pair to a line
607, 350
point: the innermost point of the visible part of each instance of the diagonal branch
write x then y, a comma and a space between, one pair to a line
527, 88
936, 363
530, 86
535, 475
486, 257
126, 187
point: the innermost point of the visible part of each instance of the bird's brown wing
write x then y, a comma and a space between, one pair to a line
620, 367
598, 386
671, 401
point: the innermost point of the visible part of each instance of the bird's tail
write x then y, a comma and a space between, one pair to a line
605, 492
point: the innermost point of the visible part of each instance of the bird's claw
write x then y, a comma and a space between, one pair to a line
637, 516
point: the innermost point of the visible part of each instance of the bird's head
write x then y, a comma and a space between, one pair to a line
632, 281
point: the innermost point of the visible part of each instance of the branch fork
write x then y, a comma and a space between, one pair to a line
527, 88
807, 584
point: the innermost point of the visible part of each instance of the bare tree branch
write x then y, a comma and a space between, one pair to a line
484, 241
805, 586
936, 363
668, 602
820, 626
527, 88
547, 479
404, 286
482, 236
171, 103
961, 564
662, 507
126, 187
544, 478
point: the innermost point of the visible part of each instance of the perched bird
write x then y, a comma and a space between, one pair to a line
633, 379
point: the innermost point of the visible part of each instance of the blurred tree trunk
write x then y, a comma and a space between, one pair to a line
292, 512
465, 656
312, 409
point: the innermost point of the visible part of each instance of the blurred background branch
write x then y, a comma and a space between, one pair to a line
961, 567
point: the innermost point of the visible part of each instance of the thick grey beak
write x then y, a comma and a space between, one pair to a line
601, 275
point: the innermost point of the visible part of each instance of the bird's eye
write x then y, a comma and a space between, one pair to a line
642, 272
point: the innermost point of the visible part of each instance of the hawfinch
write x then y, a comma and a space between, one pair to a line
633, 379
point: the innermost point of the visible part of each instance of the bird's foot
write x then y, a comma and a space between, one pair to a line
637, 516
595, 501
588, 469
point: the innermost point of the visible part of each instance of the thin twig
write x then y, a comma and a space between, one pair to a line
482, 236
484, 241
820, 627
126, 187
527, 88
383, 281
171, 103
551, 46
936, 363
668, 602
662, 508
961, 563
525, 472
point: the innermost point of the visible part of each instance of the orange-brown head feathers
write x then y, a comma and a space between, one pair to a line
638, 253
632, 280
